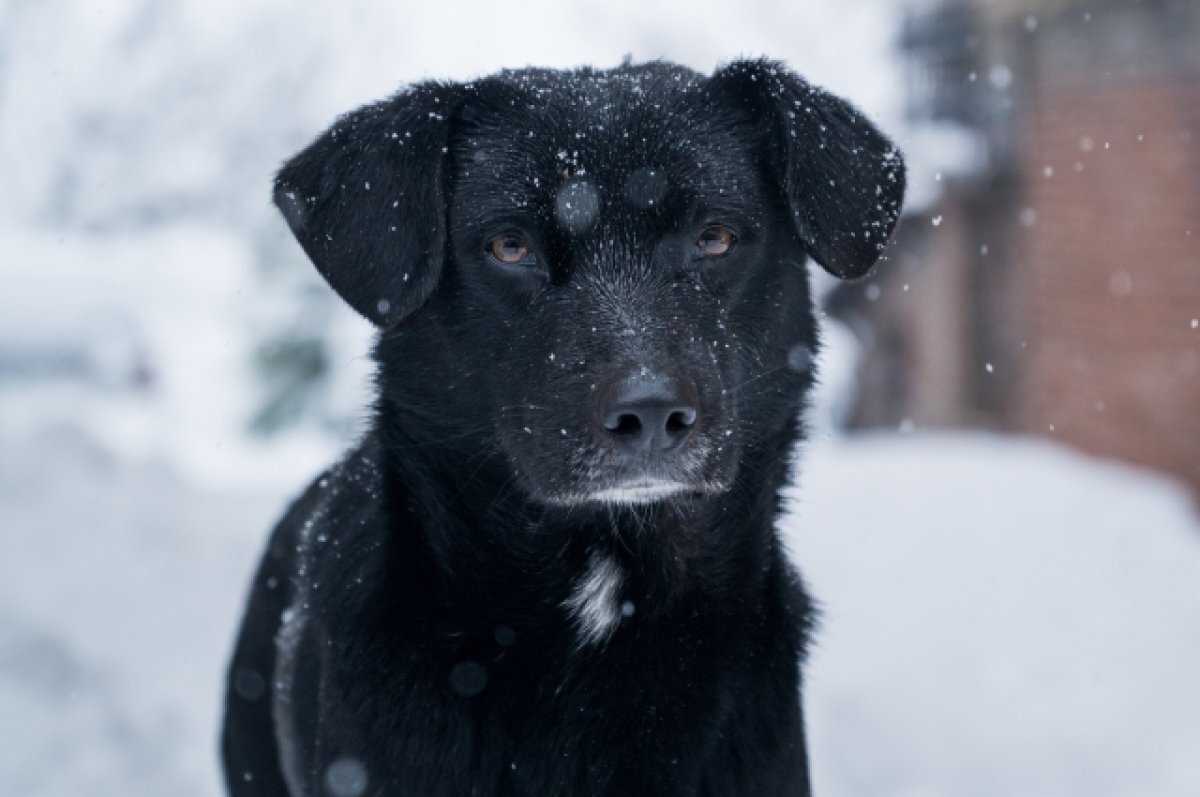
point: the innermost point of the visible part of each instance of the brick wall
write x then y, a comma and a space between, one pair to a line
1109, 266
1059, 292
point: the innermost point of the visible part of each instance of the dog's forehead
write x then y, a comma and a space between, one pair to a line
585, 138
601, 105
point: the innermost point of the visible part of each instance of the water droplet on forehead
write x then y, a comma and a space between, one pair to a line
577, 206
468, 678
346, 777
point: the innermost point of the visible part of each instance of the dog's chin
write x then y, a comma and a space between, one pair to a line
598, 481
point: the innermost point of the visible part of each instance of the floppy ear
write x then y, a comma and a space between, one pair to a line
366, 201
842, 179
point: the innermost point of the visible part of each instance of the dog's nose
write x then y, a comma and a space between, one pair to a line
649, 413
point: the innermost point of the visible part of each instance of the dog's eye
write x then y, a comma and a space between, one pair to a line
511, 249
715, 241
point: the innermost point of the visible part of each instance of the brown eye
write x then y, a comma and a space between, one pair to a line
715, 241
511, 248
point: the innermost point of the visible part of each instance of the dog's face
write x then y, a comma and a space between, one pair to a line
609, 265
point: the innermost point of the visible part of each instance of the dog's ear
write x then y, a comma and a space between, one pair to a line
842, 179
366, 201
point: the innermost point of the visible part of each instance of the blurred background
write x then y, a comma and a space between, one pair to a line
997, 510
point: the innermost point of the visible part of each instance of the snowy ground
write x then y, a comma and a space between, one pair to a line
1001, 618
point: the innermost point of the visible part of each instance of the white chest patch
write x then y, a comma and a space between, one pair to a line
594, 603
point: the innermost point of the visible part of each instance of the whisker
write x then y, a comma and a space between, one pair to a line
755, 378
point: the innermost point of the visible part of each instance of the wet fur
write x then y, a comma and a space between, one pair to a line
418, 625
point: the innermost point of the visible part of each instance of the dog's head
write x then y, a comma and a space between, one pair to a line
596, 276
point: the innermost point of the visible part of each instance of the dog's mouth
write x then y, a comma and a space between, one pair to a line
637, 492
640, 492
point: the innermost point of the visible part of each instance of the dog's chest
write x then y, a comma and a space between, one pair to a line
528, 721
513, 711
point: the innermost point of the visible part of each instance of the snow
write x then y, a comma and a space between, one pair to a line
1001, 617
151, 333
119, 589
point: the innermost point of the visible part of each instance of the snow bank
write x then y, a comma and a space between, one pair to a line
119, 590
1002, 617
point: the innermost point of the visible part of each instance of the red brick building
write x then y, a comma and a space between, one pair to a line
1056, 289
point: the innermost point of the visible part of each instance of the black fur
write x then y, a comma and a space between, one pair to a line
415, 627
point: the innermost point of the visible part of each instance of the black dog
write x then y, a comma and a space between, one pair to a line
550, 568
